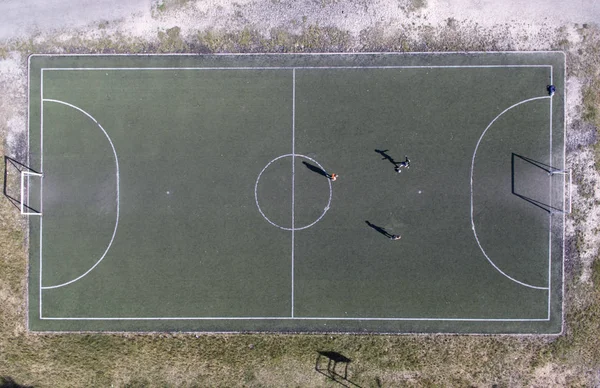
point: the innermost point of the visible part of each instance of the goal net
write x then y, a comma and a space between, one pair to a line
22, 186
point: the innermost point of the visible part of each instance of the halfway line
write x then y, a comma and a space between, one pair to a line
293, 173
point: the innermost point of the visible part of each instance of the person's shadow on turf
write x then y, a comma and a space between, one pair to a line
380, 230
386, 156
315, 169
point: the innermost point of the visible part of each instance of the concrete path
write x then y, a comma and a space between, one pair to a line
20, 18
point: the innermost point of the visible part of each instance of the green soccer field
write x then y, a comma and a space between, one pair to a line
191, 193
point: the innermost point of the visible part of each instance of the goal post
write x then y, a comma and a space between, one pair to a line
568, 172
19, 174
25, 208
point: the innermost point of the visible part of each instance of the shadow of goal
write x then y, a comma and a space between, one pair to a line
22, 186
335, 367
537, 183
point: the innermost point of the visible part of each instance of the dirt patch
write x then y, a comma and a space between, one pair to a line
13, 104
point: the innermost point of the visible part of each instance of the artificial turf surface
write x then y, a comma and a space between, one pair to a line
219, 174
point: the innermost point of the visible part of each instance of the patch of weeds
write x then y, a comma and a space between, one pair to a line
280, 41
596, 275
212, 41
561, 40
170, 41
375, 39
416, 5
562, 44
591, 113
585, 187
248, 40
25, 46
591, 103
580, 346
579, 242
315, 38
451, 23
249, 376
410, 6
312, 39
577, 214
138, 383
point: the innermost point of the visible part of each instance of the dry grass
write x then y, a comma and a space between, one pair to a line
129, 360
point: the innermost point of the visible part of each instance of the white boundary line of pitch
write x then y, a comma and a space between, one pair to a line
293, 319
564, 234
385, 53
293, 68
42, 181
28, 241
550, 200
290, 67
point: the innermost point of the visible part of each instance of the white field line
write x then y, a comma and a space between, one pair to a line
384, 53
291, 67
27, 221
118, 185
42, 182
293, 175
551, 203
472, 220
562, 320
293, 319
267, 218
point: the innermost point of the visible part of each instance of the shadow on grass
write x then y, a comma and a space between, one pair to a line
7, 382
334, 366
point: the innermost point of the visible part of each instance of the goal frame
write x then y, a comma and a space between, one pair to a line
25, 172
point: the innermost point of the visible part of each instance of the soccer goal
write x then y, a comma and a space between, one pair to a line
568, 208
27, 197
541, 184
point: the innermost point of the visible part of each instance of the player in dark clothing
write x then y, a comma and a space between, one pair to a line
401, 165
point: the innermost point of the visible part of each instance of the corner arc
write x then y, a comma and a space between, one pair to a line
471, 186
118, 195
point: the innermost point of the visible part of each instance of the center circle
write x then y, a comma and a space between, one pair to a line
293, 225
